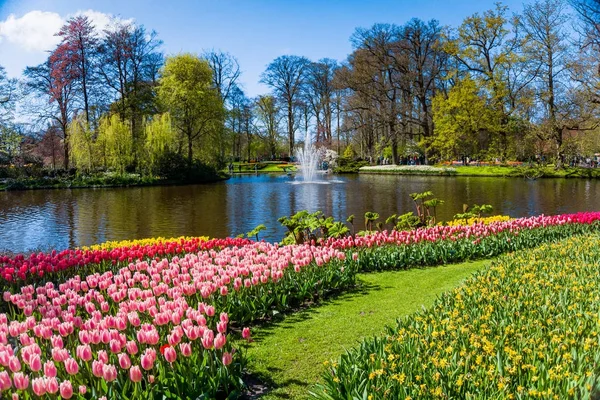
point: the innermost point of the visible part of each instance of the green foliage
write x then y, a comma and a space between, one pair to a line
160, 138
82, 145
348, 152
426, 209
195, 106
254, 232
10, 143
311, 227
475, 211
115, 142
370, 217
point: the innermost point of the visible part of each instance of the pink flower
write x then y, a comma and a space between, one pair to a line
49, 368
35, 363
124, 361
71, 366
5, 382
66, 389
186, 349
135, 374
220, 341
82, 389
51, 385
84, 352
14, 364
98, 368
170, 354
39, 386
21, 381
208, 339
103, 356
147, 361
246, 333
109, 372
131, 347
227, 359
222, 327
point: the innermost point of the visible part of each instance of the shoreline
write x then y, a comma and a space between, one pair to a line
499, 171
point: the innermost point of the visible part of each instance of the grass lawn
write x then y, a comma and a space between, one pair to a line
288, 355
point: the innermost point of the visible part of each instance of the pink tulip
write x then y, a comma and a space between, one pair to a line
222, 327
103, 356
220, 341
21, 381
208, 339
14, 364
39, 386
82, 389
5, 382
147, 361
35, 363
71, 366
98, 368
246, 333
49, 368
131, 347
51, 385
66, 389
84, 352
170, 354
124, 361
186, 349
135, 374
109, 372
227, 359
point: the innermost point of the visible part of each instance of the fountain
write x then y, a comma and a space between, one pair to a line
309, 160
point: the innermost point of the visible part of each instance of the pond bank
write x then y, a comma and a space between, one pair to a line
533, 172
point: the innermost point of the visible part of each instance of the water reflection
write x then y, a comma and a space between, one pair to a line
59, 219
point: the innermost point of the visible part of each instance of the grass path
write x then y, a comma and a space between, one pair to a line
288, 355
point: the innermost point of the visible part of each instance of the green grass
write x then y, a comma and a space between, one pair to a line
263, 166
288, 355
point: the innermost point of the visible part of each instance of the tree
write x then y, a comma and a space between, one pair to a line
267, 113
75, 54
459, 118
53, 85
286, 76
128, 64
82, 145
8, 96
487, 48
546, 48
319, 92
114, 138
160, 138
187, 92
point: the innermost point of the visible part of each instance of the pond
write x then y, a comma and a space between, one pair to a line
59, 219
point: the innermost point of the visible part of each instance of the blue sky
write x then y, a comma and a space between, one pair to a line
254, 31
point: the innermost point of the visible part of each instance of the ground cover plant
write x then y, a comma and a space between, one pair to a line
527, 327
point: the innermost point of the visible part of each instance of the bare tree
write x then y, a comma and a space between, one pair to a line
286, 75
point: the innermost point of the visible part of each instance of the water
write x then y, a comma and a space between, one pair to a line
309, 158
44, 219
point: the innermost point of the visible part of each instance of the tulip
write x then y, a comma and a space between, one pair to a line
220, 341
51, 385
14, 364
21, 381
186, 349
71, 366
82, 389
39, 386
246, 333
66, 389
49, 368
5, 382
35, 363
227, 359
109, 372
135, 374
170, 354
124, 361
147, 361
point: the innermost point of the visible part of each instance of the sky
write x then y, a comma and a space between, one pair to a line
254, 31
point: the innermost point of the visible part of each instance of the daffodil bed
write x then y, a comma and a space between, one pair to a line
526, 327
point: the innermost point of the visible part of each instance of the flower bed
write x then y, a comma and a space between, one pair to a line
142, 242
155, 327
527, 327
446, 244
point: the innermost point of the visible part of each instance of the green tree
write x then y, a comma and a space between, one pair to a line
160, 138
458, 119
115, 137
82, 144
187, 92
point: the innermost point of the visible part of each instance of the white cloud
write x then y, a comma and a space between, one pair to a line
33, 32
